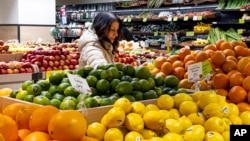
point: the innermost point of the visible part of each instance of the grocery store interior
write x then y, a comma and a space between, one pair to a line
183, 76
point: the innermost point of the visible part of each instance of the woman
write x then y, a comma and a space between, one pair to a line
98, 45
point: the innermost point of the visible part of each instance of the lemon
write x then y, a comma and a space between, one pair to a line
212, 110
185, 122
188, 107
194, 133
115, 117
174, 113
196, 95
225, 109
134, 122
180, 97
104, 120
207, 98
214, 124
153, 120
213, 136
226, 135
173, 137
157, 139
165, 102
123, 103
113, 134
152, 107
221, 99
227, 124
133, 136
235, 120
245, 117
233, 109
139, 108
165, 114
96, 130
148, 134
172, 126
197, 118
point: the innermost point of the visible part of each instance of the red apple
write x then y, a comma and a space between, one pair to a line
27, 65
65, 67
3, 71
54, 68
42, 69
62, 62
62, 57
49, 69
56, 63
51, 63
45, 63
67, 62
1, 42
33, 60
60, 67
51, 58
10, 71
73, 62
19, 65
3, 65
57, 58
22, 70
65, 52
68, 57
38, 63
44, 52
29, 70
58, 52
46, 58
39, 57
72, 67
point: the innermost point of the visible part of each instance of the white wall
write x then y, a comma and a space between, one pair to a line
9, 12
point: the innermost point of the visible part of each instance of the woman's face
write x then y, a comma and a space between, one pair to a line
113, 32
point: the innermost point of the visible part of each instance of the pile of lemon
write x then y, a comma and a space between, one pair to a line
202, 116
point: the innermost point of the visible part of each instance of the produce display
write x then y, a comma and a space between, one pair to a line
4, 49
15, 67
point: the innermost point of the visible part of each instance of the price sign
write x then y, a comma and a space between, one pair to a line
144, 20
241, 21
125, 20
240, 31
162, 33
199, 18
80, 84
169, 19
175, 19
156, 33
129, 19
242, 9
195, 18
194, 72
189, 33
64, 20
206, 68
185, 18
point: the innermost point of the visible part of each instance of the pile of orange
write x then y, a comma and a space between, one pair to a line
231, 66
30, 122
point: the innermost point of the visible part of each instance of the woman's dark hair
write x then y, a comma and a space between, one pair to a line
102, 23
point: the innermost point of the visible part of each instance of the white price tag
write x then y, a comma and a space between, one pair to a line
80, 84
169, 19
194, 72
64, 20
195, 18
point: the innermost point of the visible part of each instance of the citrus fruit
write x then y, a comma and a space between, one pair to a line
123, 103
95, 73
151, 94
29, 98
12, 109
119, 66
14, 93
106, 74
53, 89
133, 136
173, 137
171, 81
213, 136
102, 85
129, 97
113, 84
115, 72
126, 78
194, 133
42, 100
71, 91
158, 91
145, 86
79, 71
46, 94
37, 135
174, 113
138, 107
181, 97
138, 95
185, 122
148, 134
26, 83
188, 107
134, 122
245, 116
96, 130
45, 84
165, 114
212, 109
55, 102
21, 94
56, 77
159, 80
34, 89
115, 117
153, 120
142, 72
87, 69
165, 102
68, 125
197, 118
70, 98
58, 96
91, 101
128, 69
124, 88
68, 105
62, 86
113, 134
207, 98
214, 124
8, 128
106, 101
172, 126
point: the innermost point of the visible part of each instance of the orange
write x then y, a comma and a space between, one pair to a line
161, 74
234, 43
209, 47
246, 83
232, 58
179, 72
244, 44
237, 94
12, 109
202, 84
154, 71
177, 63
246, 69
231, 72
22, 133
242, 63
209, 52
225, 45
86, 138
37, 136
189, 63
222, 92
220, 81
159, 61
229, 52
23, 115
218, 43
248, 97
2, 137
243, 106
201, 56
241, 51
186, 75
218, 58
40, 118
236, 79
173, 58
67, 125
8, 128
183, 52
185, 84
188, 58
229, 65
167, 68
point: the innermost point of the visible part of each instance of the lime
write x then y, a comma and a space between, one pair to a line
58, 96
65, 80
106, 74
81, 97
113, 84
91, 80
145, 86
42, 100
21, 94
71, 91
91, 101
95, 73
151, 82
102, 86
106, 101
94, 91
14, 93
171, 81
136, 85
82, 105
124, 87
138, 95
120, 74
158, 91
26, 83
151, 94
126, 78
181, 90
98, 98
159, 80
68, 105
130, 97
114, 71
129, 69
44, 84
67, 71
114, 97
165, 90
47, 94
172, 92
29, 98
56, 77
119, 66
87, 69
102, 66
55, 102
53, 89
62, 86
142, 72
34, 89
70, 98
79, 71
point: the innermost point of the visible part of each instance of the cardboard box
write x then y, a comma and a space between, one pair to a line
11, 57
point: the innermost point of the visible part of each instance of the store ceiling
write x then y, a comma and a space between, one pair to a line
72, 2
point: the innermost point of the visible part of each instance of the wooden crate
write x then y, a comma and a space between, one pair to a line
91, 114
